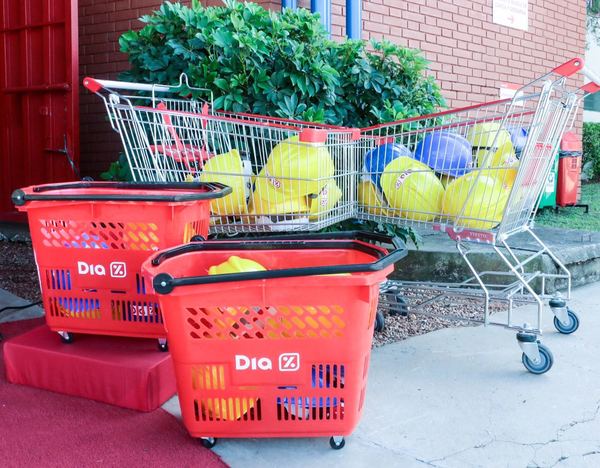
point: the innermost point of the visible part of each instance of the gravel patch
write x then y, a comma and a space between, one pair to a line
402, 326
18, 273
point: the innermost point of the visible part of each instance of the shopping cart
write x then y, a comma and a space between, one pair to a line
476, 174
285, 175
90, 239
270, 359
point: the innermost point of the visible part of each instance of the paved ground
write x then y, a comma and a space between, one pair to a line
461, 398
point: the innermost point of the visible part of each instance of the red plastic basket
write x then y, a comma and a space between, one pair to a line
90, 239
275, 353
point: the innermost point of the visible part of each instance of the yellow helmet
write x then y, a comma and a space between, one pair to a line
482, 135
259, 206
325, 201
371, 199
235, 264
228, 169
501, 164
294, 169
413, 189
476, 196
446, 179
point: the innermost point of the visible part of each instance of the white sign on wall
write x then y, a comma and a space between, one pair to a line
511, 13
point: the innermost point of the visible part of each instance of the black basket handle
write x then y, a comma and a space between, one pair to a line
44, 192
164, 283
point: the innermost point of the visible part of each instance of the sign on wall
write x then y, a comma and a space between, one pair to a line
511, 13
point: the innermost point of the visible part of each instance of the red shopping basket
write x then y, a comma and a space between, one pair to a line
275, 353
90, 239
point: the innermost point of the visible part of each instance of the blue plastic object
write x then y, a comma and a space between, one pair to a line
518, 137
378, 158
446, 153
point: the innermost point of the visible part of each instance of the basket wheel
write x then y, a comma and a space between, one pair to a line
66, 337
163, 345
208, 442
337, 443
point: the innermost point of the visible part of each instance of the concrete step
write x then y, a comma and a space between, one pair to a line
437, 259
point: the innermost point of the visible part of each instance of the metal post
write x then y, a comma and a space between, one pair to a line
323, 7
293, 4
354, 19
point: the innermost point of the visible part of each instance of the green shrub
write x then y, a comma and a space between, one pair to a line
280, 64
591, 146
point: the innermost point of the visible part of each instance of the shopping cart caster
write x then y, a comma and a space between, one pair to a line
66, 337
570, 326
197, 238
379, 322
163, 345
337, 442
536, 358
208, 442
400, 307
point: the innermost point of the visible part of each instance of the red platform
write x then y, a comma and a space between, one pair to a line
126, 372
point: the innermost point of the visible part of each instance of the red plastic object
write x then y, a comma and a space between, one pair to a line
120, 371
569, 171
39, 95
90, 240
276, 357
569, 68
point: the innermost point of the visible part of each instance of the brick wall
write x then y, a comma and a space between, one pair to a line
470, 56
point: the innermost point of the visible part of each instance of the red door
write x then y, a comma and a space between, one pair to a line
39, 105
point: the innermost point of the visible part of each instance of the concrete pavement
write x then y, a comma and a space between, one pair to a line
461, 398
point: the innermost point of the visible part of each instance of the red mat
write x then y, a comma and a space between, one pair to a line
41, 428
126, 372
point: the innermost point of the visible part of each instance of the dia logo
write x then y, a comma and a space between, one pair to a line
117, 269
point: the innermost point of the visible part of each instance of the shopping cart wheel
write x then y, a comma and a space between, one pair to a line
163, 345
379, 322
543, 364
337, 442
208, 442
65, 337
400, 307
571, 326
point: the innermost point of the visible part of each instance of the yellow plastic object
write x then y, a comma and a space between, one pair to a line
412, 188
224, 168
503, 163
282, 206
371, 199
295, 169
482, 135
446, 179
235, 264
477, 196
326, 200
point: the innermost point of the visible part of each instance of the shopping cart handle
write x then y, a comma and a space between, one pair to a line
164, 283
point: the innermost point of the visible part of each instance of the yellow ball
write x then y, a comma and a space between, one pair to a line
412, 189
227, 168
483, 135
476, 201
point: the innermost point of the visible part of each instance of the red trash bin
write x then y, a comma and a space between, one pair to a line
569, 170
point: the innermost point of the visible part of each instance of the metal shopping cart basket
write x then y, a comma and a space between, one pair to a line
90, 239
257, 356
476, 174
285, 175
